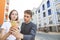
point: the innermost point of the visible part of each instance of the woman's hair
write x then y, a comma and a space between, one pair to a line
11, 13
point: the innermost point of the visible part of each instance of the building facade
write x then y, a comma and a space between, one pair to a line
34, 16
6, 10
48, 15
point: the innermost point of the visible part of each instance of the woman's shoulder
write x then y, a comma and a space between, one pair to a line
5, 24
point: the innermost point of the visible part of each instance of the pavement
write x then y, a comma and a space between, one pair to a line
52, 33
47, 36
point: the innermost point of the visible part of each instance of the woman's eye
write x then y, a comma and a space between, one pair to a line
16, 14
12, 14
27, 16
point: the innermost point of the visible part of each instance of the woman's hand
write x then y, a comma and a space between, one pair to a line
4, 36
15, 31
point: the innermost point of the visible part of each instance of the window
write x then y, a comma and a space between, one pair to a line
58, 17
38, 11
58, 11
49, 12
44, 15
48, 3
44, 23
32, 13
39, 24
50, 22
43, 7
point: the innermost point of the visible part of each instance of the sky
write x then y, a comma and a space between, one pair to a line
22, 5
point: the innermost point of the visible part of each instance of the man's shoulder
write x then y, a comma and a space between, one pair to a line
33, 24
23, 23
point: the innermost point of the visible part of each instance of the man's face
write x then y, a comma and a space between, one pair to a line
27, 17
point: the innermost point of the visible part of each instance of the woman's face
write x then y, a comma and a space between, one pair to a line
14, 15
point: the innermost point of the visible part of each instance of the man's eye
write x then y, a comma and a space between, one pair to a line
27, 16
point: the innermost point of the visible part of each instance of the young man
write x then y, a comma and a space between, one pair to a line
28, 29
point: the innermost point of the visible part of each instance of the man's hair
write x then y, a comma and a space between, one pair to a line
28, 12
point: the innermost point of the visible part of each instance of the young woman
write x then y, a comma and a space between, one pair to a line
7, 35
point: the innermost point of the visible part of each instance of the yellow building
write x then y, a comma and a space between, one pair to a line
2, 5
4, 8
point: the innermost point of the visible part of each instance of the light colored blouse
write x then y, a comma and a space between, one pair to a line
6, 26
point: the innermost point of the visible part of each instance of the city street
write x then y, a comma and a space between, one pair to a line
47, 36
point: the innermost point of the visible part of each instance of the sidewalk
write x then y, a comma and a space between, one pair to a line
55, 33
52, 33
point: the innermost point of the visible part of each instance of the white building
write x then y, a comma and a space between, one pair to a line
49, 15
34, 16
21, 21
